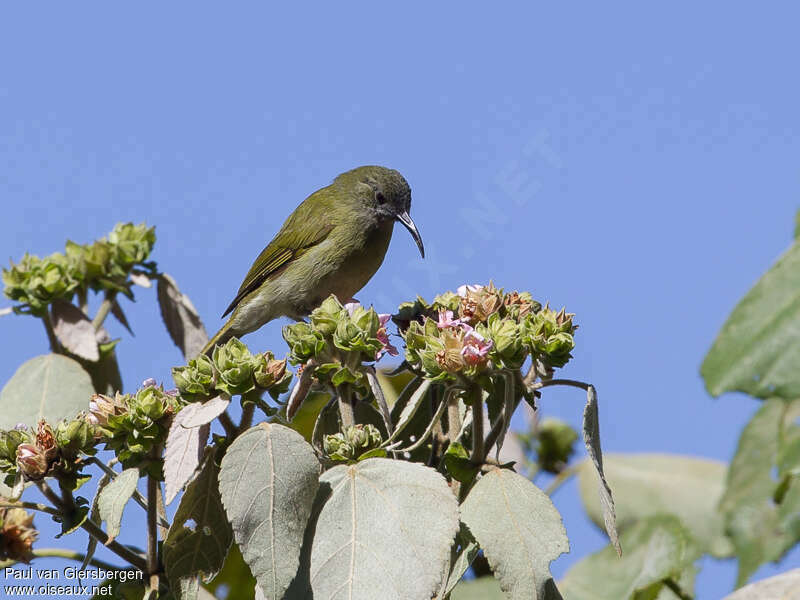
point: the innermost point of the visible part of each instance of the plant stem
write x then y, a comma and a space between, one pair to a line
152, 527
550, 382
68, 554
103, 311
453, 417
561, 479
676, 589
55, 346
228, 425
92, 529
163, 524
248, 410
345, 397
31, 506
377, 391
476, 400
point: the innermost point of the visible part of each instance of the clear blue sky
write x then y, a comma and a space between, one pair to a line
638, 164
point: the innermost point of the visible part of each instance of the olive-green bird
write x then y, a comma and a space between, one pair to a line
331, 244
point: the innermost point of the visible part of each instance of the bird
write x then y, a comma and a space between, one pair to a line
332, 243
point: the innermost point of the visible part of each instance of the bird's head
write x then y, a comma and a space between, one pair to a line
386, 193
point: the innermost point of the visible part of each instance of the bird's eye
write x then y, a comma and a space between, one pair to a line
380, 198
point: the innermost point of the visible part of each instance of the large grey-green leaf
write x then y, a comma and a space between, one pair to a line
268, 481
591, 437
519, 530
112, 499
758, 349
760, 530
656, 549
180, 317
649, 484
74, 330
51, 387
183, 451
485, 588
384, 531
202, 548
785, 586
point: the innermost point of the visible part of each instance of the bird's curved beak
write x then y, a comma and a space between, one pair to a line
406, 220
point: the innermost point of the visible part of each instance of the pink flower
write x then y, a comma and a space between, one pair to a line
476, 348
462, 290
446, 319
351, 307
383, 338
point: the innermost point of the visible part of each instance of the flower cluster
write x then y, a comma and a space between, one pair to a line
353, 443
105, 264
46, 451
338, 339
231, 370
133, 425
481, 328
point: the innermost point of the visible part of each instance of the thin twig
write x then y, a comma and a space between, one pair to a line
55, 345
92, 529
68, 554
377, 391
344, 395
561, 479
551, 382
228, 425
104, 309
676, 589
31, 506
152, 526
476, 400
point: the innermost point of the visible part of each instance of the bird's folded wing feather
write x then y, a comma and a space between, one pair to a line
304, 229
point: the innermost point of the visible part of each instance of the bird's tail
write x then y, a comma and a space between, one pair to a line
223, 335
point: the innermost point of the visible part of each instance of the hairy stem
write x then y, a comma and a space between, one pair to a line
476, 400
453, 417
551, 382
345, 396
31, 506
248, 410
153, 492
93, 530
104, 309
228, 425
55, 346
68, 554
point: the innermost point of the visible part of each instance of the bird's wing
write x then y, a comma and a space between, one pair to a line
304, 229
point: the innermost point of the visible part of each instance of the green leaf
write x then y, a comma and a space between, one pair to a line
758, 349
468, 551
783, 586
113, 498
51, 387
649, 484
383, 530
235, 576
180, 317
183, 452
268, 481
591, 437
74, 330
485, 588
762, 531
201, 549
656, 549
519, 530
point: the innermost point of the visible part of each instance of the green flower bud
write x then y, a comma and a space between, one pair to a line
410, 312
149, 402
326, 317
304, 342
518, 305
337, 448
131, 244
508, 349
352, 443
555, 444
37, 282
9, 441
75, 436
549, 334
357, 332
235, 365
196, 380
447, 301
